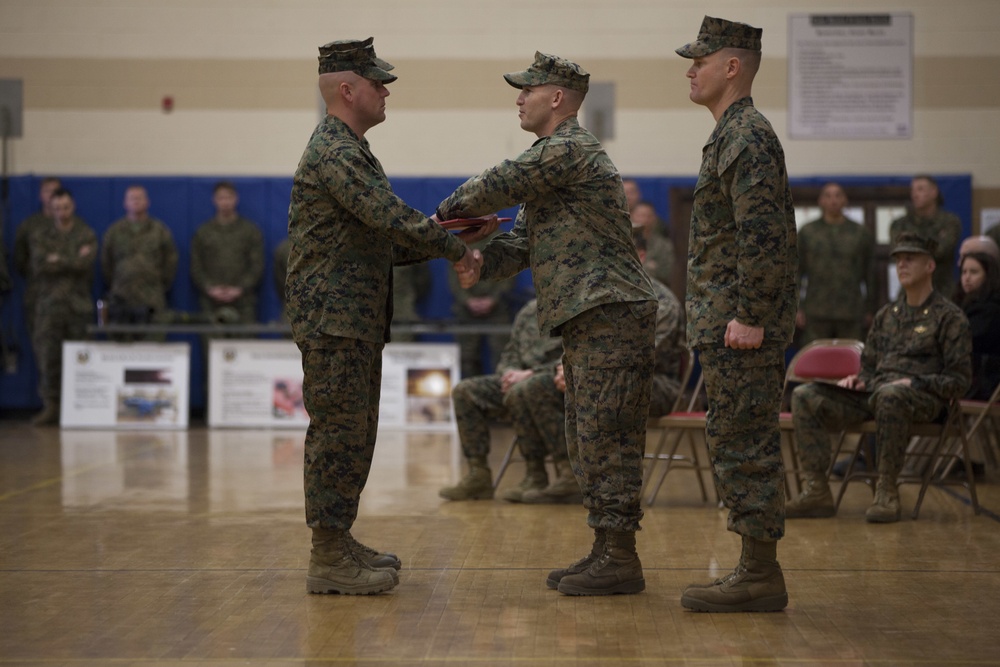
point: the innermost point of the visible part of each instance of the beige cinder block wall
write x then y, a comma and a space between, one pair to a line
242, 77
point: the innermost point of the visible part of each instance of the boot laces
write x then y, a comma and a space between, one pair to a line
359, 549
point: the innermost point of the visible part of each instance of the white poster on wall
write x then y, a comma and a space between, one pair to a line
258, 383
125, 385
850, 76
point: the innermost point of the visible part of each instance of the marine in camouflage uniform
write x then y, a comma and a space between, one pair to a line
228, 251
41, 219
471, 345
741, 301
917, 358
925, 218
62, 257
346, 229
139, 262
532, 403
574, 232
835, 261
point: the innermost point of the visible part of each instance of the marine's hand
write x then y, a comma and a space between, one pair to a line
468, 268
560, 379
852, 382
741, 337
479, 233
510, 378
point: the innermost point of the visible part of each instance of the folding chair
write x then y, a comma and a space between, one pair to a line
939, 457
682, 425
985, 425
823, 360
506, 461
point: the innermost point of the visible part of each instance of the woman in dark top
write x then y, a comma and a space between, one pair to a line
979, 296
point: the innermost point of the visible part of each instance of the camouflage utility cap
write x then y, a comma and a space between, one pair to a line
718, 34
354, 55
915, 243
551, 69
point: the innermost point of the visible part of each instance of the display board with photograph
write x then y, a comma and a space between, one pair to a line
258, 383
125, 385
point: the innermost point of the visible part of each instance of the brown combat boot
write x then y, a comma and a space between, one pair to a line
555, 576
815, 501
756, 584
564, 489
885, 508
476, 485
377, 559
536, 477
616, 570
334, 567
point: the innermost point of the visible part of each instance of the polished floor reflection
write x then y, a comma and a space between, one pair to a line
189, 548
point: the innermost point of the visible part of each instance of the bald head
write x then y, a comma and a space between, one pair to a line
983, 244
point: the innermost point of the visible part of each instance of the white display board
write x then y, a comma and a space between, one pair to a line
258, 383
850, 76
125, 385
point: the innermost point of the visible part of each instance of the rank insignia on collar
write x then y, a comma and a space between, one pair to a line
920, 329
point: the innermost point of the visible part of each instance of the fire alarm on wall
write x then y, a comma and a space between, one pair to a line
167, 104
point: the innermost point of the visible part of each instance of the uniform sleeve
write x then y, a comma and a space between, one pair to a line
803, 243
873, 348
198, 276
955, 342
71, 264
507, 254
255, 258
352, 181
170, 257
751, 169
510, 183
107, 256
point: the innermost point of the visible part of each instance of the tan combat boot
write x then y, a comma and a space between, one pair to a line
815, 501
377, 559
616, 570
756, 584
335, 568
563, 489
885, 508
555, 576
476, 485
535, 478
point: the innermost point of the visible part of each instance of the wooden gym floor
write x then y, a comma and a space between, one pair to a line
166, 549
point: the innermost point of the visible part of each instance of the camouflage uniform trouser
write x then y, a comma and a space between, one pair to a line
608, 364
534, 406
819, 409
744, 441
817, 328
341, 389
51, 328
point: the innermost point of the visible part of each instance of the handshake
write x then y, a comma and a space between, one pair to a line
469, 267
